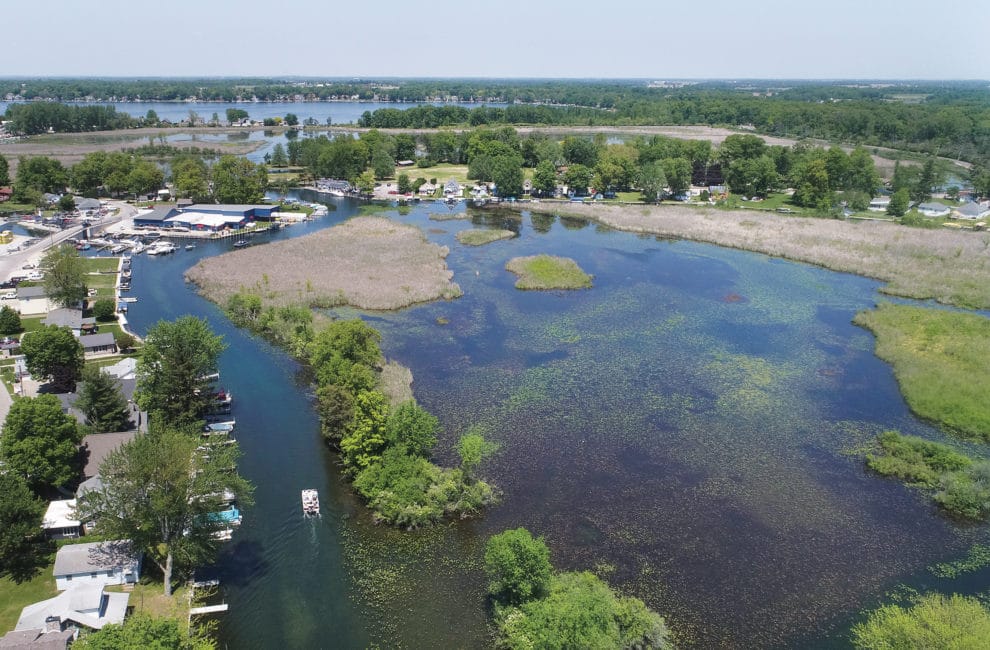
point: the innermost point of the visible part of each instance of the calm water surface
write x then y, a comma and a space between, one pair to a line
684, 429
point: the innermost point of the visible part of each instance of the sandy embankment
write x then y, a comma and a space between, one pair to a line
367, 262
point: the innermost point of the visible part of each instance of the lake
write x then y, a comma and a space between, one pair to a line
685, 429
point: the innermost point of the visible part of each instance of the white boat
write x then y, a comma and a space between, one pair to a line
337, 193
311, 503
189, 247
128, 299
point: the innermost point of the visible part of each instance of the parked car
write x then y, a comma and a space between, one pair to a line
34, 276
8, 295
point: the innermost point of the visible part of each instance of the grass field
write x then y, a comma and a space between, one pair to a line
940, 359
548, 272
16, 596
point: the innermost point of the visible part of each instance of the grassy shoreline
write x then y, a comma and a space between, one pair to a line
948, 266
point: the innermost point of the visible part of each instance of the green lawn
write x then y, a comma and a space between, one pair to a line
31, 323
100, 264
14, 597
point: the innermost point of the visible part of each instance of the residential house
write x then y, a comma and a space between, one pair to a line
87, 605
97, 446
71, 318
879, 204
60, 520
934, 210
427, 189
97, 563
527, 186
50, 637
5, 194
33, 301
87, 205
452, 189
95, 344
973, 211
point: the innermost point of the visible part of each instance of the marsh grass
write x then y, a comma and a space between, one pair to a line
482, 236
367, 262
548, 272
940, 359
951, 267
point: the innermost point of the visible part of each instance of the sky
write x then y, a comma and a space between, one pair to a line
715, 39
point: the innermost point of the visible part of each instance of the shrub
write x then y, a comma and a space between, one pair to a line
518, 567
104, 310
936, 621
915, 460
966, 493
10, 321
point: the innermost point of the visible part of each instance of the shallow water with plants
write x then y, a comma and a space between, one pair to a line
687, 429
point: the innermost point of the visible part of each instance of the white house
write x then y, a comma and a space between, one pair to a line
82, 606
973, 211
60, 520
879, 203
32, 301
934, 210
452, 188
427, 189
98, 563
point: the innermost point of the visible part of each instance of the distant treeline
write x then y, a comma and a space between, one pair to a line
40, 117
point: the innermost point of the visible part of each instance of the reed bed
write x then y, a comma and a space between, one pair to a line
482, 236
366, 262
951, 267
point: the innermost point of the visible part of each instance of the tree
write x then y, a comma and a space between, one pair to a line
751, 176
291, 119
577, 178
65, 279
927, 180
4, 171
545, 178
382, 164
405, 185
413, 427
518, 567
41, 174
39, 441
66, 203
366, 182
140, 630
899, 202
53, 354
507, 175
20, 525
738, 146
335, 404
678, 173
279, 159
101, 401
151, 118
473, 449
862, 176
236, 114
124, 340
812, 185
174, 369
652, 181
365, 439
164, 495
10, 321
935, 621
579, 150
238, 180
144, 178
104, 310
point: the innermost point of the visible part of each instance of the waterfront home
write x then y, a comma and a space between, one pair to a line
97, 446
934, 210
427, 189
5, 194
96, 344
97, 563
71, 318
87, 605
60, 520
973, 211
879, 204
33, 301
452, 189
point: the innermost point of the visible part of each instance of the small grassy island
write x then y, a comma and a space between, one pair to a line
548, 272
940, 359
366, 262
482, 236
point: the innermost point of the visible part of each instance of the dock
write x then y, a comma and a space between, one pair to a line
208, 609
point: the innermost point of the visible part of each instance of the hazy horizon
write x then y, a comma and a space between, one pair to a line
843, 40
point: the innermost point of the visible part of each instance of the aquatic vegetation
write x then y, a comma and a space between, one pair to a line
367, 262
548, 272
940, 359
977, 557
934, 621
482, 236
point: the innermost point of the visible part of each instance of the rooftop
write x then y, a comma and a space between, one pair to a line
96, 556
84, 604
36, 639
60, 514
97, 446
97, 340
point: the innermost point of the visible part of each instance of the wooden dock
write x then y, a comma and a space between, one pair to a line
208, 609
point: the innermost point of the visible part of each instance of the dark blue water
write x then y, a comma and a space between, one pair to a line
685, 429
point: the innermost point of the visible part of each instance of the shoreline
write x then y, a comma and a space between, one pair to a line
946, 266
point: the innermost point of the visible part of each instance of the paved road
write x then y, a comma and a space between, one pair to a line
10, 264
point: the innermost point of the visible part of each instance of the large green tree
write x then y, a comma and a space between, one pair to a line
65, 275
101, 401
238, 180
899, 203
53, 354
4, 171
39, 174
935, 621
279, 159
20, 525
507, 175
652, 181
366, 437
163, 494
39, 442
10, 321
173, 370
545, 178
518, 567
413, 427
190, 178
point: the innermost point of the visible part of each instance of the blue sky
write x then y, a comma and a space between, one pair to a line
898, 39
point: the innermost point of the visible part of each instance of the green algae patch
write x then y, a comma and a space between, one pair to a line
548, 272
940, 360
482, 236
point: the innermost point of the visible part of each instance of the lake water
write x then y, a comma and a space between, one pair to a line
683, 429
338, 112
